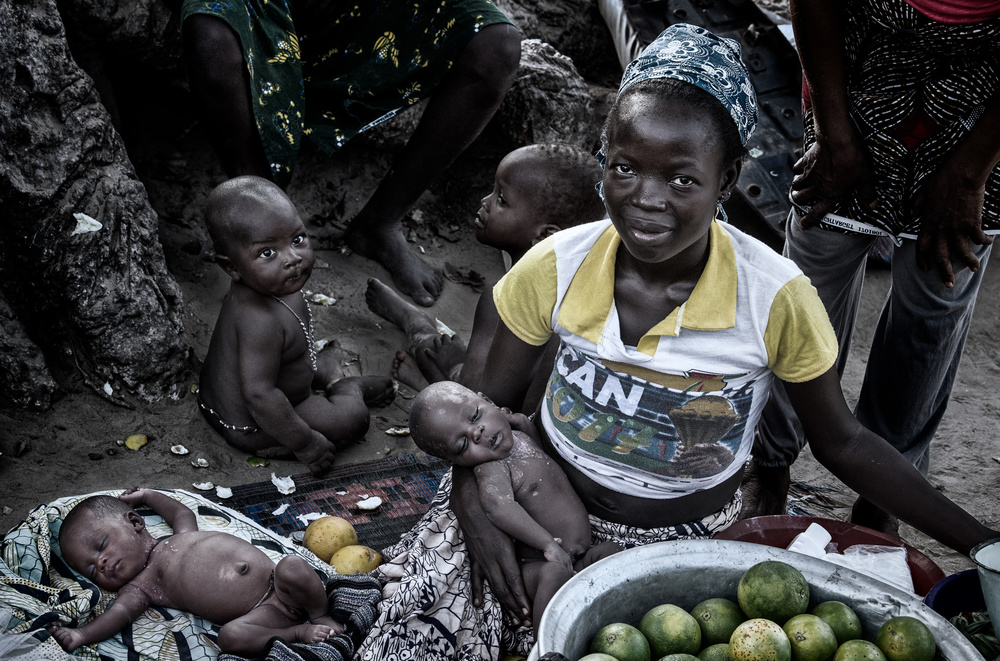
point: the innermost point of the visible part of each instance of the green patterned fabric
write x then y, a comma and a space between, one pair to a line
41, 590
333, 81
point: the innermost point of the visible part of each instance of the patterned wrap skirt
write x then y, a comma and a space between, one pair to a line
916, 87
360, 67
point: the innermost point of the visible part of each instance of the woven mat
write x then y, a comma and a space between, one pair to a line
406, 484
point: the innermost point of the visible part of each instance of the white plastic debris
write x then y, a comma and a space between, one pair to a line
203, 486
322, 299
370, 504
281, 510
223, 492
398, 431
443, 328
200, 462
309, 517
108, 389
178, 449
85, 224
285, 485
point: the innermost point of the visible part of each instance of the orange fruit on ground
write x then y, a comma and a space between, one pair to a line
811, 638
327, 535
842, 619
717, 652
773, 590
670, 630
858, 650
718, 619
905, 638
760, 640
622, 641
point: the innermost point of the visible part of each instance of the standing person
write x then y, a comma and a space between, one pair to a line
672, 327
267, 73
902, 113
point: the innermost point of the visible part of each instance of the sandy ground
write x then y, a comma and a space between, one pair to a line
76, 446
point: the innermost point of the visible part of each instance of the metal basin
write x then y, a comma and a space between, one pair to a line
622, 587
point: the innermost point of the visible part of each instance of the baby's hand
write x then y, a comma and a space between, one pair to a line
317, 455
314, 633
134, 496
68, 639
555, 553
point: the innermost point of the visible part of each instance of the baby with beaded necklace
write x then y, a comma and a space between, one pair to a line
260, 376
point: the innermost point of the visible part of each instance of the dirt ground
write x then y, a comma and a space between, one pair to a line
76, 446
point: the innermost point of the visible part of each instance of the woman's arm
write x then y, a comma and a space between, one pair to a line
876, 470
837, 161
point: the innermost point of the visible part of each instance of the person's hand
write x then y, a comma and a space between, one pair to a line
520, 422
950, 210
491, 551
555, 553
68, 639
318, 454
134, 496
827, 173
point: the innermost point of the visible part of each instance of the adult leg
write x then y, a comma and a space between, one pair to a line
914, 357
221, 85
457, 111
835, 264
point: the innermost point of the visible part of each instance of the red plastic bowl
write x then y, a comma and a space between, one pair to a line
781, 530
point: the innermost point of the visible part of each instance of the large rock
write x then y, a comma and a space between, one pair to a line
98, 302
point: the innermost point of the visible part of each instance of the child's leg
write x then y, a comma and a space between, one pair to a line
298, 596
595, 553
542, 580
375, 390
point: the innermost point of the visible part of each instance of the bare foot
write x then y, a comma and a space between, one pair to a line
374, 390
405, 370
388, 247
386, 303
329, 364
328, 621
447, 354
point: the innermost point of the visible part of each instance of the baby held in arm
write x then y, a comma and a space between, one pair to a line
215, 575
522, 490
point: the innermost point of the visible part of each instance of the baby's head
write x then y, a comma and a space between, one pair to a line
258, 236
674, 142
105, 541
450, 421
539, 190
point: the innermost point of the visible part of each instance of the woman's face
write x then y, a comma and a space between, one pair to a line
663, 178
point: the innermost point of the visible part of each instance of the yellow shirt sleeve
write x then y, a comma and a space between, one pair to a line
526, 296
800, 341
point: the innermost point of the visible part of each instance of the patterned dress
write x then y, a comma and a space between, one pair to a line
350, 72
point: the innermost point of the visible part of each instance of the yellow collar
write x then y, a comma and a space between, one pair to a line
712, 305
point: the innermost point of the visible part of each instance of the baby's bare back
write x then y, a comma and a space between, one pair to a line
214, 575
543, 490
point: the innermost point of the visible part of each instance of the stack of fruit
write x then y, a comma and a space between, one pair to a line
770, 622
334, 541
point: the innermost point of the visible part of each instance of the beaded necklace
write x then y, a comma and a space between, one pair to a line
307, 330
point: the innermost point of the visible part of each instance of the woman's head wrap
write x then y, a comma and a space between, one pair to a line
695, 55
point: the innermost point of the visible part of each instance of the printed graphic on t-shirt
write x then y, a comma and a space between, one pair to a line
616, 418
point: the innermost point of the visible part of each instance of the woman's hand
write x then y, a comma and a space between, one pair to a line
950, 208
491, 552
828, 172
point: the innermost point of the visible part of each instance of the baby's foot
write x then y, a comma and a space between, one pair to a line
414, 277
405, 370
389, 305
314, 633
374, 390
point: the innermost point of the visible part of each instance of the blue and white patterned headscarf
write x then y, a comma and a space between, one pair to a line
695, 55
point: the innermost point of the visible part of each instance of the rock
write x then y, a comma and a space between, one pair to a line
101, 302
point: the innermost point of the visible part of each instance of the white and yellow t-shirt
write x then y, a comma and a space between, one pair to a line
676, 413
